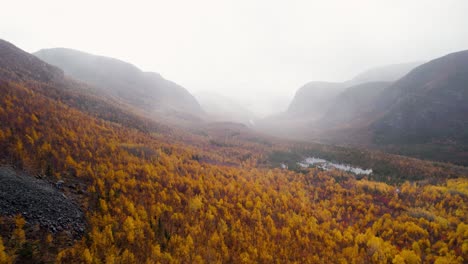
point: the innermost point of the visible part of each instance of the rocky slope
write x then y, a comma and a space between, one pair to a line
38, 202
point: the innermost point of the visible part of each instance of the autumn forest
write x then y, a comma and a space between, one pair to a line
155, 193
102, 162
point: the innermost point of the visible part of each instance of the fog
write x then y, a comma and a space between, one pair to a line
255, 52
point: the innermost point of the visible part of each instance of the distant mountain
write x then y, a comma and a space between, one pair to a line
144, 90
427, 106
221, 108
314, 99
352, 106
387, 73
320, 106
423, 113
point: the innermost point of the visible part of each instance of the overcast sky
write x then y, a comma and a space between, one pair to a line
253, 50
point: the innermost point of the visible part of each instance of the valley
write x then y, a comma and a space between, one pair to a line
115, 165
413, 109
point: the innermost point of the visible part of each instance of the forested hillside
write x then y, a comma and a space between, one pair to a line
214, 194
147, 200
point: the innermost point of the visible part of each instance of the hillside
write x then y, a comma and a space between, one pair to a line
422, 114
144, 90
314, 99
428, 107
319, 110
17, 65
217, 194
386, 73
352, 106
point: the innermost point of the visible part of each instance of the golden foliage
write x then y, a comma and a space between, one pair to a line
180, 199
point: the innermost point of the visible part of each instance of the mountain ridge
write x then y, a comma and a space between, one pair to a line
323, 93
148, 91
15, 64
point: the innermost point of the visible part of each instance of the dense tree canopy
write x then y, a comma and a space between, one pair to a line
179, 197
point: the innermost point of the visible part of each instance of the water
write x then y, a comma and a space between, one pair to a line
328, 165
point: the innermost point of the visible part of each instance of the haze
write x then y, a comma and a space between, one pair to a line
256, 52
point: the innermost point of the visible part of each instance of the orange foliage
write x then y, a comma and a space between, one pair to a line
177, 198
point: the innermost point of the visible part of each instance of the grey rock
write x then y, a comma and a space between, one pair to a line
39, 202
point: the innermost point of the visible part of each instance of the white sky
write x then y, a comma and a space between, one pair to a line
252, 50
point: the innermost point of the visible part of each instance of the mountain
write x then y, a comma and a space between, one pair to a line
313, 98
318, 107
18, 65
423, 113
387, 73
353, 105
221, 108
144, 90
427, 109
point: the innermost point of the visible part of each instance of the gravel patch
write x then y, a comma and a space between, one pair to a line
38, 202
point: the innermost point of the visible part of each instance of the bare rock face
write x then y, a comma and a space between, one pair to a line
39, 202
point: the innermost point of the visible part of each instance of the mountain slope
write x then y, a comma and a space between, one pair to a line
311, 99
318, 107
314, 99
427, 106
423, 114
387, 73
352, 106
144, 90
18, 65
